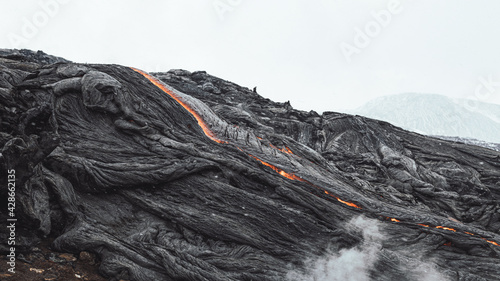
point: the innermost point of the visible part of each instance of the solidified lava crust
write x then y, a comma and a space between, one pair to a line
185, 176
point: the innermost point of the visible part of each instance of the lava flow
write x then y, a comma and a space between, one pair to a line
198, 118
340, 200
287, 150
279, 171
491, 242
295, 177
276, 169
449, 229
446, 228
212, 136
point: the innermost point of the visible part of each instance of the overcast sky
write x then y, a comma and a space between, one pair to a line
320, 55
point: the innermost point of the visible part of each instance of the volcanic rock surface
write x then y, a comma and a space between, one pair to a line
185, 176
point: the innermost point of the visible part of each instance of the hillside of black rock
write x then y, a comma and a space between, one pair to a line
185, 176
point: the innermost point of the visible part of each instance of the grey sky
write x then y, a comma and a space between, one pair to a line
291, 50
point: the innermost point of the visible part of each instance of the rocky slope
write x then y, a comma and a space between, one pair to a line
197, 178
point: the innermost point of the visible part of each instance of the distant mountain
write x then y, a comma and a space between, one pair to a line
432, 114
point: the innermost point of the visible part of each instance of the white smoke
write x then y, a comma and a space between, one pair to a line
349, 264
356, 263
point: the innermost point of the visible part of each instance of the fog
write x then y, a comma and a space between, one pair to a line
355, 264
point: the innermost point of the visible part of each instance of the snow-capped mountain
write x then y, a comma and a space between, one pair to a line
433, 114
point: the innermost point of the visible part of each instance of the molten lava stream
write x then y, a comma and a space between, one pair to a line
295, 177
285, 149
454, 230
446, 228
492, 242
276, 169
186, 106
350, 204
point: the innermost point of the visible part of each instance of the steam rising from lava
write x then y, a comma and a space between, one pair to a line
359, 263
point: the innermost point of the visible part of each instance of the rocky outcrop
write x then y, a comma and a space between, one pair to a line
197, 178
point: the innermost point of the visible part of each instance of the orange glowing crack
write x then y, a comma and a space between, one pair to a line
395, 220
350, 204
492, 242
446, 228
440, 227
347, 203
198, 118
295, 177
285, 149
454, 230
276, 169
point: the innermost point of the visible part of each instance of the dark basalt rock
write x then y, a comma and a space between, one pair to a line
112, 165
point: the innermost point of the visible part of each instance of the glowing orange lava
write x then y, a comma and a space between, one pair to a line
446, 228
454, 230
279, 171
395, 220
198, 118
347, 203
285, 149
342, 201
492, 242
